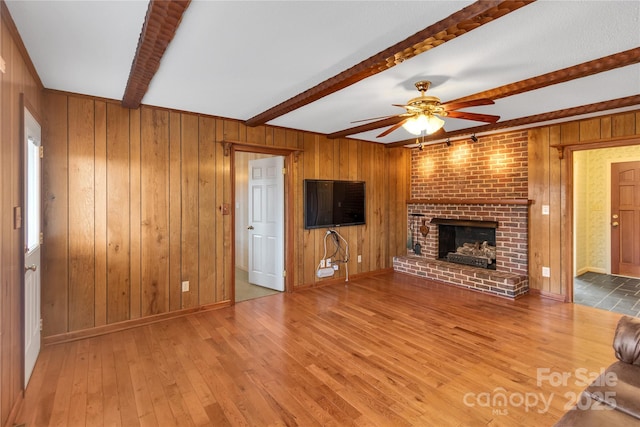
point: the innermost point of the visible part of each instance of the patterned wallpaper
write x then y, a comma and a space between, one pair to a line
592, 196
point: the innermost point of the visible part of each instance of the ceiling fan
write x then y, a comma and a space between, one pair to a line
423, 114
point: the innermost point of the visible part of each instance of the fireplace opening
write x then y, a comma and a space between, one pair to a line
467, 242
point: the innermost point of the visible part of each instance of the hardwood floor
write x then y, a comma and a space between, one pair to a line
386, 351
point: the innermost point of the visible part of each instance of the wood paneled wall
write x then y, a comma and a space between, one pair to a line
131, 207
549, 183
18, 81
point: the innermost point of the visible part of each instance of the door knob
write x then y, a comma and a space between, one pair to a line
250, 227
615, 224
31, 267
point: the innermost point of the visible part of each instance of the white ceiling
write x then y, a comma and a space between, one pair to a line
237, 59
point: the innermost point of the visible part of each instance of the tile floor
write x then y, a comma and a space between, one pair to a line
246, 290
612, 293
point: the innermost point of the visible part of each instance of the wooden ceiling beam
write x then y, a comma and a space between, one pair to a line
597, 107
461, 22
600, 65
160, 25
606, 63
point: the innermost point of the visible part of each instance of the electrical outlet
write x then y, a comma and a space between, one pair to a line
321, 263
185, 286
328, 262
359, 258
335, 267
546, 272
545, 209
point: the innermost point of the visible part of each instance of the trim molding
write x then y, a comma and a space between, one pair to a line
17, 407
128, 324
338, 280
548, 295
469, 201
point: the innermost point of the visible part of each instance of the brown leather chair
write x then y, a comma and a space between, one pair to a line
613, 399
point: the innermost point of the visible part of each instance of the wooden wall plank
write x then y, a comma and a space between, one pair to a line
81, 213
570, 132
223, 283
396, 207
118, 222
100, 238
10, 282
624, 124
605, 127
538, 192
325, 162
155, 210
235, 131
555, 216
366, 158
190, 209
381, 187
208, 213
590, 129
310, 171
257, 135
295, 140
175, 211
135, 210
351, 147
55, 221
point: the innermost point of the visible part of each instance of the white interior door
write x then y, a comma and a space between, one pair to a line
32, 245
266, 222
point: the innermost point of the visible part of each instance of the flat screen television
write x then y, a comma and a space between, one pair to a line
329, 203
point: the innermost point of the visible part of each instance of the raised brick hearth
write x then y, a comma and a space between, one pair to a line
510, 279
479, 279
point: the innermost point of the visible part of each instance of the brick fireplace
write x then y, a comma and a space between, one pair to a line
485, 183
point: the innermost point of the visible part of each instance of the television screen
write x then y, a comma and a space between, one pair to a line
330, 203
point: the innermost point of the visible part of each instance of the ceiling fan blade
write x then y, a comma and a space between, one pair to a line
373, 118
464, 104
366, 127
392, 128
408, 107
488, 118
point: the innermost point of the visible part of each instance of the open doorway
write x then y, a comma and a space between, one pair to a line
259, 225
597, 280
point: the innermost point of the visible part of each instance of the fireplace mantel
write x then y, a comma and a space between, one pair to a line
467, 201
465, 222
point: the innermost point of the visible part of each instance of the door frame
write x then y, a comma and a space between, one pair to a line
290, 156
566, 195
26, 105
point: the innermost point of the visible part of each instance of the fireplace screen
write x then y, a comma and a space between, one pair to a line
467, 242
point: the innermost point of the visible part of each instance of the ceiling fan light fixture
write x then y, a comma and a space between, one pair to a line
423, 123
